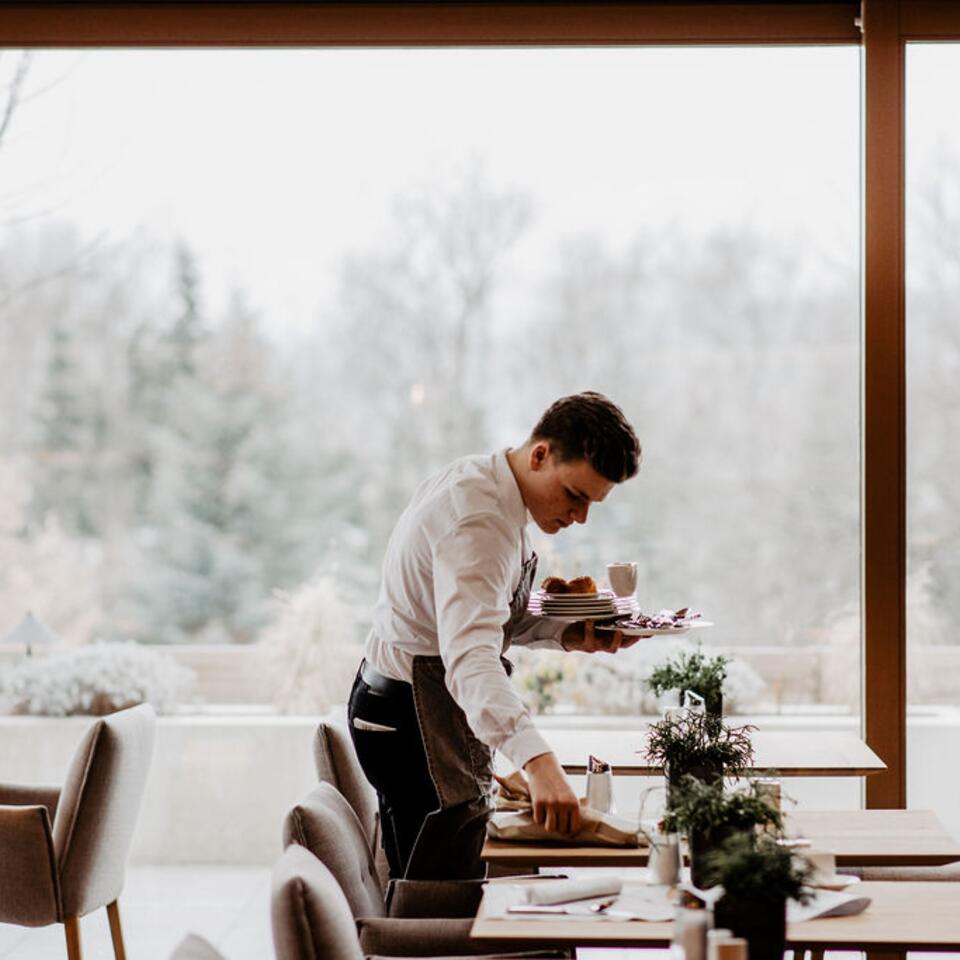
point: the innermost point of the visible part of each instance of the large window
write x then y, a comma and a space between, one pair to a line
251, 297
933, 356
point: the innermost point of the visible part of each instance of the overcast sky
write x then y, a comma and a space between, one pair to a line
272, 163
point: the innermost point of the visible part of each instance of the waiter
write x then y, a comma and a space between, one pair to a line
433, 698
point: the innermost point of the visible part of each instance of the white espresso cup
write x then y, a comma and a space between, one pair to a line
623, 578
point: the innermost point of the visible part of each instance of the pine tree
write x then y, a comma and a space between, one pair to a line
61, 435
224, 506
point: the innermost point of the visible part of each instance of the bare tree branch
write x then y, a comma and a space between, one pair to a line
14, 91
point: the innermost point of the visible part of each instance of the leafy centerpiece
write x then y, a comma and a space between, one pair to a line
691, 743
694, 672
708, 814
758, 876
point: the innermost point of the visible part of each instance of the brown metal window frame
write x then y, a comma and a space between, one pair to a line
887, 25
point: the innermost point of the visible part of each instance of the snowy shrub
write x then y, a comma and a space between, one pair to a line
312, 657
51, 572
96, 680
604, 684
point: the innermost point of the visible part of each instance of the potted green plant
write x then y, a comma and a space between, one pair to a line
690, 743
708, 814
758, 877
695, 672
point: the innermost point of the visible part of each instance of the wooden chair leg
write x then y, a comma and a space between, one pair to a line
71, 927
116, 933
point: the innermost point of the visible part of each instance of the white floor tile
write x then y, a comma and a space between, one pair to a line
159, 906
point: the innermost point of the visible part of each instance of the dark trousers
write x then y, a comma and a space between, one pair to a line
394, 762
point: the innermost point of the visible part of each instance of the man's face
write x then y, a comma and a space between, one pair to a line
560, 493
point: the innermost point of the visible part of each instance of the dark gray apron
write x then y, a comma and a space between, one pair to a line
461, 767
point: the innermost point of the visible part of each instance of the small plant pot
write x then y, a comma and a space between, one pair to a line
714, 706
705, 773
701, 842
761, 922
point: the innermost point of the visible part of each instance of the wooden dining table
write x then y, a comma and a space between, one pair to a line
857, 837
791, 753
906, 915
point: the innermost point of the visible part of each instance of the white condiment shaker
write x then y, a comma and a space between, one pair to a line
600, 791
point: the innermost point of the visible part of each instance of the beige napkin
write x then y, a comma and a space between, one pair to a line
513, 820
568, 891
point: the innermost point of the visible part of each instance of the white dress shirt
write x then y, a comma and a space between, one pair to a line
450, 571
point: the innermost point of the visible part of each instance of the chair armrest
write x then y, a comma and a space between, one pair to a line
414, 937
433, 898
29, 887
394, 937
21, 795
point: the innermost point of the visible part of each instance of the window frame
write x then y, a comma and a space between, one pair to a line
881, 27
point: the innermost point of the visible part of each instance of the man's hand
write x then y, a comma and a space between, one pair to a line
583, 637
555, 805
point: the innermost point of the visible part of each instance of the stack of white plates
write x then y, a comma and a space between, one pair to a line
577, 605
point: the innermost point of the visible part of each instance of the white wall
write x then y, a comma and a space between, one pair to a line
220, 786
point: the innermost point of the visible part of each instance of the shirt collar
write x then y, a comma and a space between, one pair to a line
509, 491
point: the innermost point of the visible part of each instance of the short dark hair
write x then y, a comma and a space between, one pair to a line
588, 426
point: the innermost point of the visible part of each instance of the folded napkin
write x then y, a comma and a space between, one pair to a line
566, 891
826, 903
513, 820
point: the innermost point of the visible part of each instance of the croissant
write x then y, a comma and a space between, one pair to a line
577, 585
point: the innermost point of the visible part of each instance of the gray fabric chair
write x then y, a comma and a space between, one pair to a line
428, 918
312, 920
337, 764
326, 825
63, 852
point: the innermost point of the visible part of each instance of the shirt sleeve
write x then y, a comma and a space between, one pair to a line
472, 569
538, 633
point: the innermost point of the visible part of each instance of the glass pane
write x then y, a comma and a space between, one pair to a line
249, 298
933, 406
252, 297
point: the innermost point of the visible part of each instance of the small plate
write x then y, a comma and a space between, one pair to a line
655, 631
569, 597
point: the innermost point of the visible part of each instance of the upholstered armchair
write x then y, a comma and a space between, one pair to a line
325, 823
337, 764
63, 851
312, 918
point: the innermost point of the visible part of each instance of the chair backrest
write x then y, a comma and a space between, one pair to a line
337, 764
326, 825
98, 808
310, 916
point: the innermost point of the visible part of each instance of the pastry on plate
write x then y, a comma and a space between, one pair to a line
577, 585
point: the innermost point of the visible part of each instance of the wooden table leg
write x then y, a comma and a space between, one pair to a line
71, 927
116, 933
